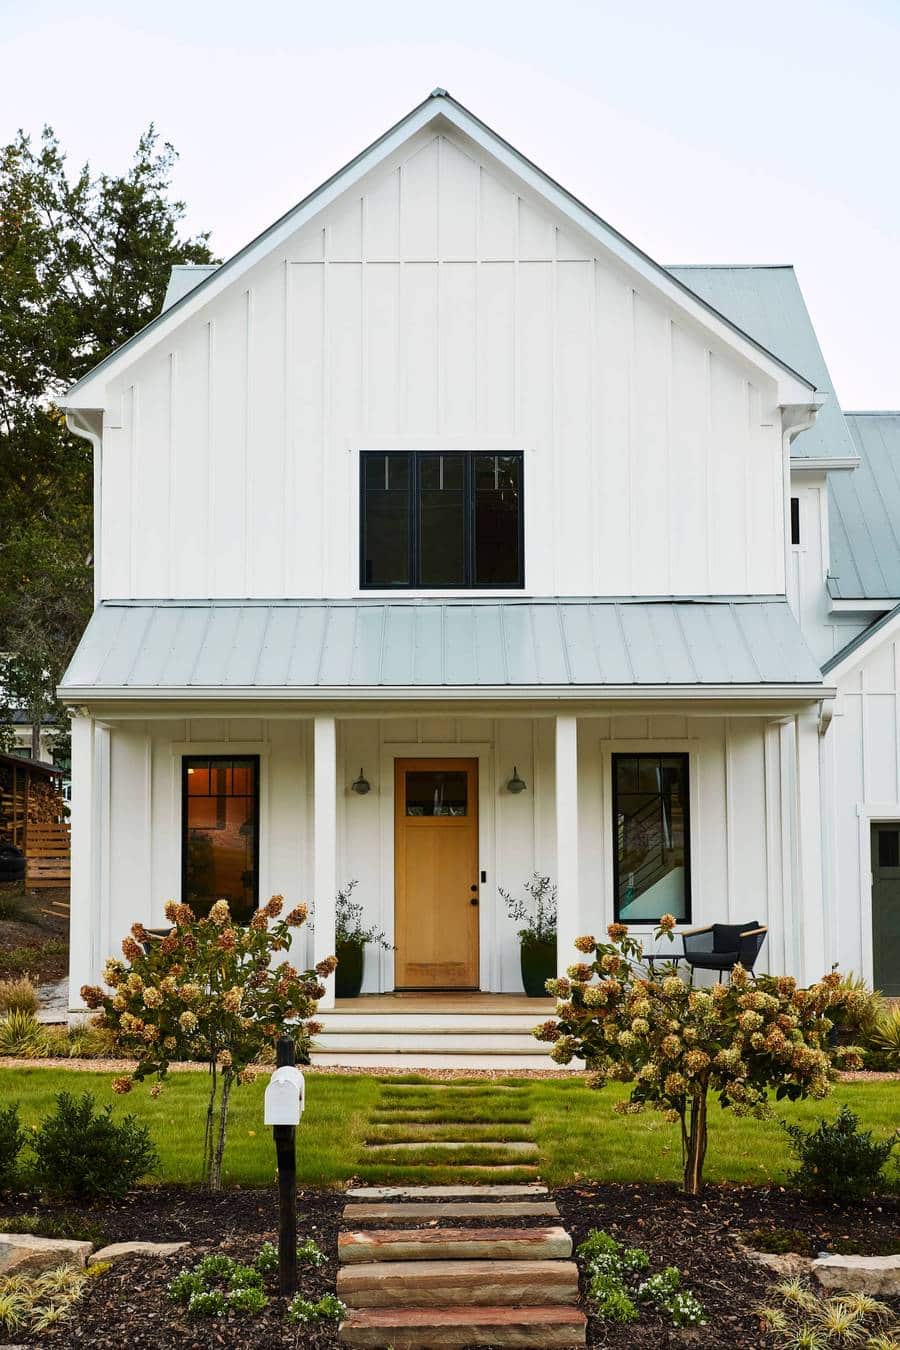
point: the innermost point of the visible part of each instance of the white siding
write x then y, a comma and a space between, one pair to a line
440, 305
808, 564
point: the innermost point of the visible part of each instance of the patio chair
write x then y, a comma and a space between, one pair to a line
721, 946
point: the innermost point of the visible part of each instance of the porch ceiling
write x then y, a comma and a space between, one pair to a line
378, 647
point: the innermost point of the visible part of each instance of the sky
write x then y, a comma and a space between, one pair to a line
705, 132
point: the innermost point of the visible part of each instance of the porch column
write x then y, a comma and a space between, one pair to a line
810, 897
84, 902
568, 921
325, 843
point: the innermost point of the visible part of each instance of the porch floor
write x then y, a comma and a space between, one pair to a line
444, 1001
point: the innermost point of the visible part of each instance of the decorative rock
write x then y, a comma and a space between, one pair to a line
433, 1244
876, 1275
23, 1253
471, 1209
785, 1264
446, 1284
405, 1328
117, 1250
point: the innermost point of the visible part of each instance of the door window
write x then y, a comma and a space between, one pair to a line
437, 792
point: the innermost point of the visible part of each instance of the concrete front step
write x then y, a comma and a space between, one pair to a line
454, 1244
452, 1024
460, 1041
527, 1188
404, 1328
367, 1058
446, 1284
364, 1212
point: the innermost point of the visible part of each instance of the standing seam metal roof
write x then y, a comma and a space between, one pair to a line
295, 645
864, 512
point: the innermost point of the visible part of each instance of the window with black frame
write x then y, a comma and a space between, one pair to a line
220, 832
651, 844
441, 521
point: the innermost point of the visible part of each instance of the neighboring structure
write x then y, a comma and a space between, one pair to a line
30, 799
441, 481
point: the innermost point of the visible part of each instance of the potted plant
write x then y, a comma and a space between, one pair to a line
537, 911
351, 938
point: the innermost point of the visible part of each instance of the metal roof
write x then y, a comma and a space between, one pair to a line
164, 647
767, 303
864, 513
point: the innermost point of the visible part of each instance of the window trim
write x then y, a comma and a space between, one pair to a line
686, 756
414, 542
199, 755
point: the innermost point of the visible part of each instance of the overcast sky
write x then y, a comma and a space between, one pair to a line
706, 132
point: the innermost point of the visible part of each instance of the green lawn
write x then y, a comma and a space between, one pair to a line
577, 1133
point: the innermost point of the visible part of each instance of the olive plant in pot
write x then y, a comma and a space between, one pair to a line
536, 911
351, 937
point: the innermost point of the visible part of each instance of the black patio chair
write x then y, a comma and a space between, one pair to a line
721, 946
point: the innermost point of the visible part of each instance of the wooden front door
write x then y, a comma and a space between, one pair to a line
886, 907
436, 873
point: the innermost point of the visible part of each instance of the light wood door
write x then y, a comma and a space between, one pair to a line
436, 873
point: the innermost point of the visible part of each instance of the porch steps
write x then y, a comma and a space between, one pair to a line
448, 1285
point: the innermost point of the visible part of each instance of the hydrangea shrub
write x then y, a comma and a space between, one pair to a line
675, 1044
208, 992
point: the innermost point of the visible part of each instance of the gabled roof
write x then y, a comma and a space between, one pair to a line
797, 387
859, 648
543, 647
864, 513
766, 302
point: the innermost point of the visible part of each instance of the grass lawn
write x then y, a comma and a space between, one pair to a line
578, 1135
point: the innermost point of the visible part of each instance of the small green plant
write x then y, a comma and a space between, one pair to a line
12, 1137
665, 1293
885, 1037
217, 1285
839, 1162
39, 1302
22, 1036
349, 927
802, 1319
778, 1240
613, 1272
308, 1253
19, 960
328, 1308
18, 995
83, 1154
537, 912
61, 1225
12, 906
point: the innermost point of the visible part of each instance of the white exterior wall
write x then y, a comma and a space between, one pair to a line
438, 306
808, 563
742, 821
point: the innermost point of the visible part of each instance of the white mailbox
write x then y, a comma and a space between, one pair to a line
284, 1099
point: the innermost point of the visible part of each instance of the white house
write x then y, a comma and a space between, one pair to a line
442, 480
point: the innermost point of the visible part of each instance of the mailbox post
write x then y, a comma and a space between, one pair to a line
284, 1101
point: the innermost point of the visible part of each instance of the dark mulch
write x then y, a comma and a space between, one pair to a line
23, 941
698, 1237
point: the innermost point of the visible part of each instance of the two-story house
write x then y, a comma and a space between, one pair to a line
444, 489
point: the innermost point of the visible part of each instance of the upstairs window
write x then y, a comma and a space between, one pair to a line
795, 520
440, 521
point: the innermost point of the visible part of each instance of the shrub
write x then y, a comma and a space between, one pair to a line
12, 1137
208, 992
18, 995
675, 1043
884, 1037
12, 906
22, 1036
538, 911
328, 1308
839, 1162
86, 1155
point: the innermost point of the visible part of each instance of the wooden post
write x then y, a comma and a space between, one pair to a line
286, 1156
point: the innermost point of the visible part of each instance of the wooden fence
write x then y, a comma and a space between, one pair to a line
47, 854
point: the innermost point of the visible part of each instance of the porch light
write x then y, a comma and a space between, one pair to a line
361, 785
516, 784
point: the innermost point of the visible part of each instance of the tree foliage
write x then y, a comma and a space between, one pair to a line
84, 262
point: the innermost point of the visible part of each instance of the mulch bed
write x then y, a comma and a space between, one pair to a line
33, 935
129, 1301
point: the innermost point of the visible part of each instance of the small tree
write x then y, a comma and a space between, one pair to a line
676, 1043
208, 992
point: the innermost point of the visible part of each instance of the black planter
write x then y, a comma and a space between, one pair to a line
348, 977
538, 966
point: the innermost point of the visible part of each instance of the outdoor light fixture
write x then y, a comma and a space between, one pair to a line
361, 785
516, 784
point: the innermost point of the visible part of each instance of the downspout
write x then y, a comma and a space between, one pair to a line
89, 426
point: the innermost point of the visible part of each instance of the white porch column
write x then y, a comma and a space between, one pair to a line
325, 842
84, 925
810, 891
567, 840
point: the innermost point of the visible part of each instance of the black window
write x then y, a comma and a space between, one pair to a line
795, 520
651, 844
220, 832
441, 521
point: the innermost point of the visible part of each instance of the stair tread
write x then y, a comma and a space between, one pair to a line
440, 1192
425, 1244
535, 1327
383, 1317
465, 1209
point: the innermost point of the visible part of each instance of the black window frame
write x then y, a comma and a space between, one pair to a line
415, 459
685, 757
795, 522
186, 762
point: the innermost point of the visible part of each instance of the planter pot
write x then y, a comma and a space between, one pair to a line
538, 966
348, 977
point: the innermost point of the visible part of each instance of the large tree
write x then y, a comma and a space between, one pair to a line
84, 261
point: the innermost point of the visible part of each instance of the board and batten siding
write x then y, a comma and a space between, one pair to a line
440, 305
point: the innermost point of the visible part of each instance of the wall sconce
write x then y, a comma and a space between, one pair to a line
516, 784
361, 785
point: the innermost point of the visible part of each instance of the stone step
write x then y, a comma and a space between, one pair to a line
454, 1244
405, 1328
444, 1284
364, 1212
528, 1188
453, 1145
